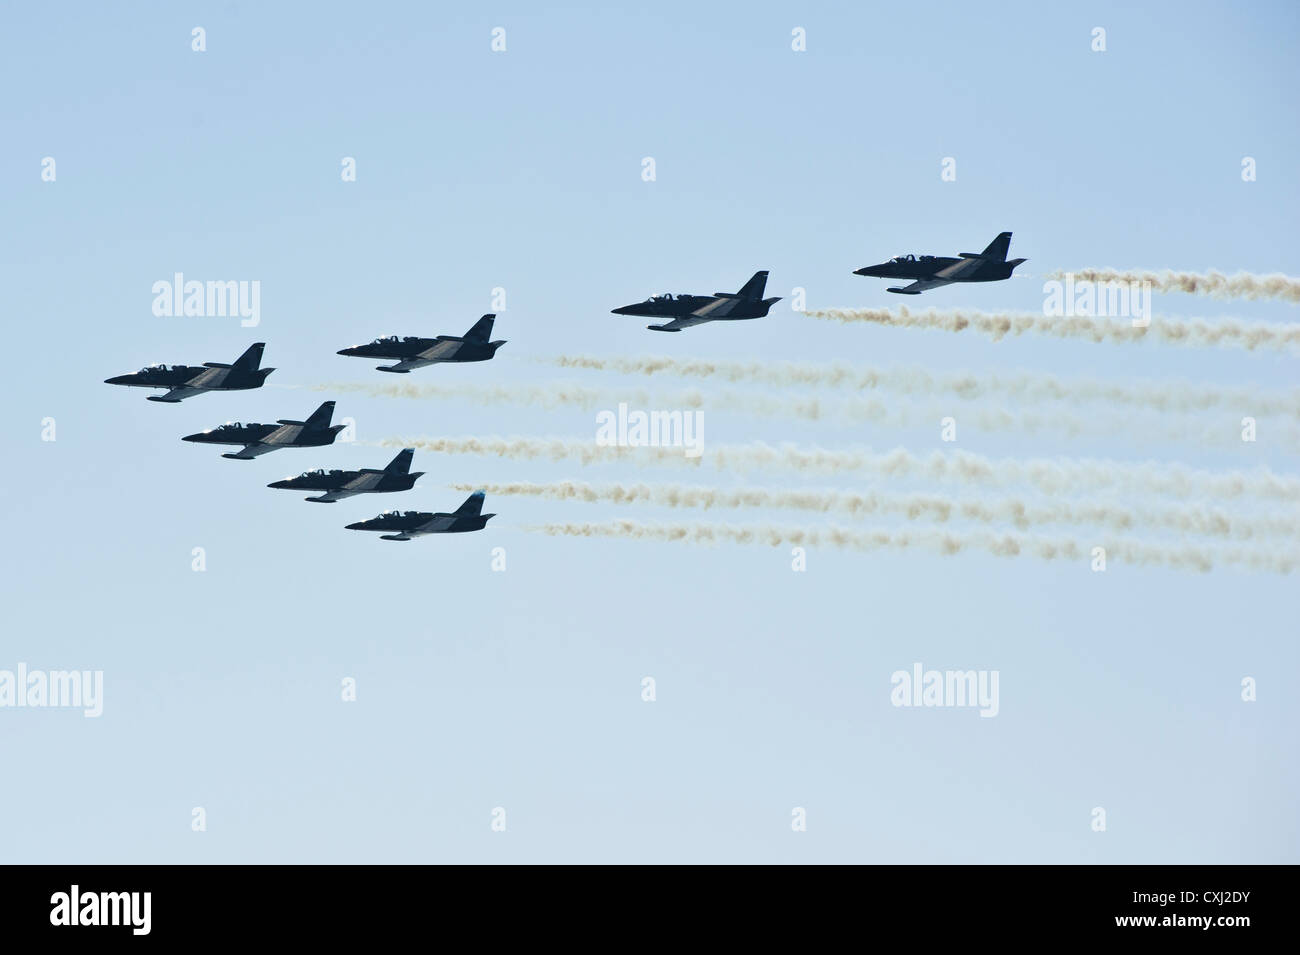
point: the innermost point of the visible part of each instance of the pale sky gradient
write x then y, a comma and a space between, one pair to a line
522, 689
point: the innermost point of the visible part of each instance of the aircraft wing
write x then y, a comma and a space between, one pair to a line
968, 263
945, 276
329, 497
407, 364
716, 309
920, 285
177, 394
251, 451
677, 324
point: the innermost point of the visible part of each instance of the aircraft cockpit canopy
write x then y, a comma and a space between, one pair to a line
666, 297
230, 426
385, 341
903, 258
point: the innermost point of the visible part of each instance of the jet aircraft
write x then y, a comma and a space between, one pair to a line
337, 485
405, 525
259, 439
687, 310
933, 271
412, 352
185, 381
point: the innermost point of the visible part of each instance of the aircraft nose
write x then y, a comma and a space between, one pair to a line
117, 380
358, 526
190, 437
621, 310
279, 484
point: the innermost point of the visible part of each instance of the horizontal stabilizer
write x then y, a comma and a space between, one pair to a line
289, 421
972, 255
216, 364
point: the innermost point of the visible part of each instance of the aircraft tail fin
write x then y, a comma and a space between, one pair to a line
251, 359
320, 418
997, 249
753, 289
481, 331
473, 505
402, 463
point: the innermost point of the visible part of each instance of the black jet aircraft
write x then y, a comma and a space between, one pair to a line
687, 310
412, 352
185, 381
340, 484
405, 525
932, 271
259, 439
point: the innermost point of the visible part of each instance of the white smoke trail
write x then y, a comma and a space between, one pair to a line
946, 543
914, 506
1178, 396
564, 394
1060, 422
1051, 476
1198, 332
1213, 283
532, 449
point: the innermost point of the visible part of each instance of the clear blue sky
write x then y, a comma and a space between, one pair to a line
522, 689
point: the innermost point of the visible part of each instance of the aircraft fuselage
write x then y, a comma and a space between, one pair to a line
342, 484
419, 524
684, 305
286, 435
442, 348
927, 266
